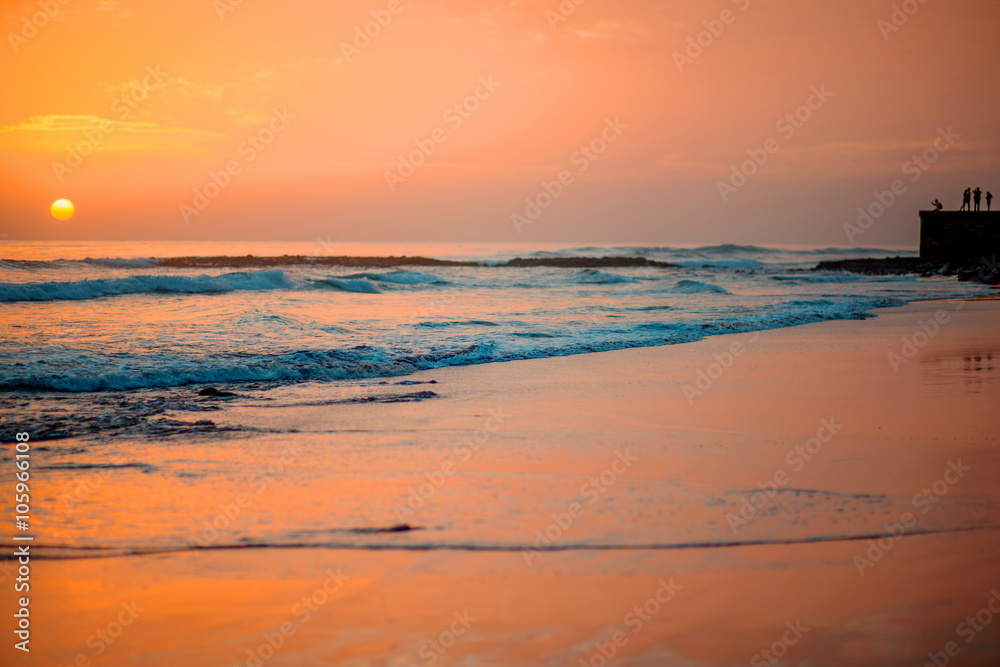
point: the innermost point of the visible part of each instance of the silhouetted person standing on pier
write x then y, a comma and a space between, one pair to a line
989, 199
966, 198
977, 196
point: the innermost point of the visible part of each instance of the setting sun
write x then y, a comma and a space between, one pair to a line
62, 209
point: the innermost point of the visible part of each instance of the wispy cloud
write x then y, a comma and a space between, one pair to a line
55, 132
77, 123
625, 31
241, 98
109, 10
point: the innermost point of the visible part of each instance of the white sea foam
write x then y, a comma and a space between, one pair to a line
71, 369
399, 277
142, 284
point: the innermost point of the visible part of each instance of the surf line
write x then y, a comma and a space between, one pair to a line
110, 552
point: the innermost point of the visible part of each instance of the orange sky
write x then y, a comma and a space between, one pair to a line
224, 69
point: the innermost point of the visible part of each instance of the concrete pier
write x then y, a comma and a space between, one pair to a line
959, 235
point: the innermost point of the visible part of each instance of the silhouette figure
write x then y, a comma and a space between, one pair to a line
938, 205
966, 198
977, 196
989, 199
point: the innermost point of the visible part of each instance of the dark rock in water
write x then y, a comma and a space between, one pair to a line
984, 270
215, 393
978, 275
587, 262
299, 260
889, 266
399, 398
399, 528
394, 262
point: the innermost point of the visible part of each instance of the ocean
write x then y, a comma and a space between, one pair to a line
156, 391
76, 319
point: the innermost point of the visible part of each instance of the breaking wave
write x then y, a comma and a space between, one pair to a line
142, 284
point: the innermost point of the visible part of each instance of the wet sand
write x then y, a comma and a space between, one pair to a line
824, 493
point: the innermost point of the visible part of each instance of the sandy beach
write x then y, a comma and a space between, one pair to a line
819, 495
547, 333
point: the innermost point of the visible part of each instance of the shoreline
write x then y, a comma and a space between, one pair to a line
889, 432
870, 314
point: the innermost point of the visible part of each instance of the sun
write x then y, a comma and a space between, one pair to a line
62, 209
